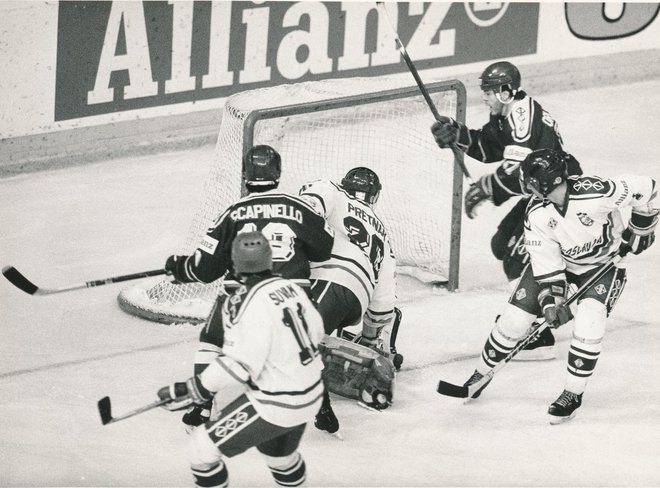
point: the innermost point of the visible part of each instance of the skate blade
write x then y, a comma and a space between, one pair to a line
554, 420
367, 407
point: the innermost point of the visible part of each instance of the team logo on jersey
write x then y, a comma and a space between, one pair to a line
521, 294
552, 223
601, 289
578, 363
585, 219
231, 423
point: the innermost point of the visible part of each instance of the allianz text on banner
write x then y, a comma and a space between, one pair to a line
119, 56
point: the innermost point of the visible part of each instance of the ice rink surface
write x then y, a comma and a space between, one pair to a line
59, 354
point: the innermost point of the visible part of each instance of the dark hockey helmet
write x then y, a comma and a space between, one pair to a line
262, 166
363, 184
251, 253
544, 170
500, 76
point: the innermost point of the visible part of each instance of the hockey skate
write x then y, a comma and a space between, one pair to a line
540, 349
476, 376
325, 418
564, 408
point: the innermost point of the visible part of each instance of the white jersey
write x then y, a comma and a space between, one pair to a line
587, 233
271, 336
362, 259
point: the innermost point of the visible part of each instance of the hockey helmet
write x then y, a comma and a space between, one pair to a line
362, 183
500, 76
544, 170
251, 253
262, 166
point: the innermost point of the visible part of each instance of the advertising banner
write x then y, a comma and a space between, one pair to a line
119, 56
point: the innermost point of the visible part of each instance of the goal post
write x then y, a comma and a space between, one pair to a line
334, 125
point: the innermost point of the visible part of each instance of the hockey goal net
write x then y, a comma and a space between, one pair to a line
335, 125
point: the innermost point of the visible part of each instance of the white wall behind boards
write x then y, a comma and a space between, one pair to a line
71, 65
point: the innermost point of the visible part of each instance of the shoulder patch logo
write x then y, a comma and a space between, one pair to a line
234, 304
601, 289
585, 219
521, 294
588, 184
552, 223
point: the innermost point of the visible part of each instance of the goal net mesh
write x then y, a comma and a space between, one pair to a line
334, 125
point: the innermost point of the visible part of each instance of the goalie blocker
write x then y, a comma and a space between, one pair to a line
357, 372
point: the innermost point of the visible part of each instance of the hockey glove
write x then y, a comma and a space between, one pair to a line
640, 233
447, 132
183, 395
557, 315
197, 415
176, 266
551, 298
478, 192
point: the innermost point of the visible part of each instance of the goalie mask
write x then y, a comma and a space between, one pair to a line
363, 184
543, 170
251, 253
499, 77
262, 166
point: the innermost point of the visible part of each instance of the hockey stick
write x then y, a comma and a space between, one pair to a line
458, 154
457, 391
17, 279
105, 410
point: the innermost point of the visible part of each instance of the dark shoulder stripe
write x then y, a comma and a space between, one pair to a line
581, 187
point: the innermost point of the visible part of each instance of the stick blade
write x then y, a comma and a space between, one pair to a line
105, 410
449, 389
18, 280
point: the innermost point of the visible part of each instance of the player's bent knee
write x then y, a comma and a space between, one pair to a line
590, 319
201, 450
514, 322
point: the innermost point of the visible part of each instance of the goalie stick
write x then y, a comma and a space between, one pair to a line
449, 389
458, 154
105, 410
19, 280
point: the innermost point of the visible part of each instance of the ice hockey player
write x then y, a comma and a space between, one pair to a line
296, 232
357, 284
574, 225
268, 376
518, 124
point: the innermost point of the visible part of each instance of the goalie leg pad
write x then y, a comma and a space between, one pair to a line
357, 372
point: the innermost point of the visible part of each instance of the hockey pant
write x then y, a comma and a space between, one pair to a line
234, 430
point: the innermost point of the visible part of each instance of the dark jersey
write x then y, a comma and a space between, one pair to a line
509, 139
297, 235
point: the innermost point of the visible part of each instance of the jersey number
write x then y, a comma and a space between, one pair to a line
371, 244
281, 237
298, 326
